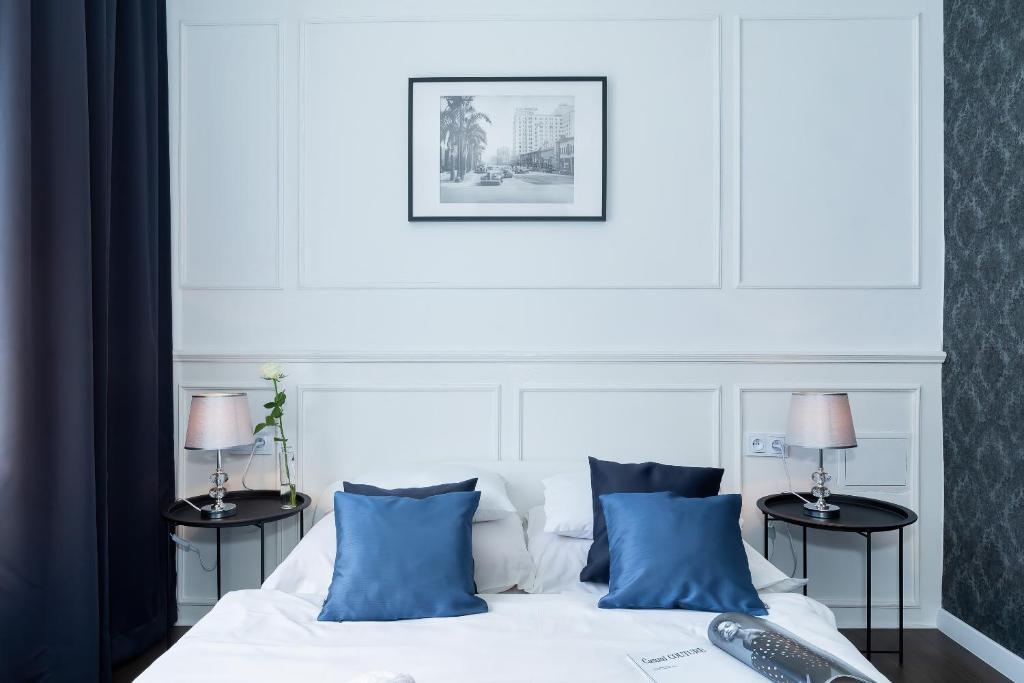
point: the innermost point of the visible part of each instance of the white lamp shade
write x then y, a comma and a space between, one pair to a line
217, 421
820, 420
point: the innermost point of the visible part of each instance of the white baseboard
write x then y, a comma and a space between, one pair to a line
982, 647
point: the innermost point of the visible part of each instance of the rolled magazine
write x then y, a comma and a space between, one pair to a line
777, 654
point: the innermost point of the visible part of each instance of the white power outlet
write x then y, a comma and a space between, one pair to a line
764, 444
264, 444
777, 445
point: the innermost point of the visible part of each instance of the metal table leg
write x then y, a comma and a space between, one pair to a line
868, 600
218, 563
766, 535
263, 556
302, 524
805, 559
899, 554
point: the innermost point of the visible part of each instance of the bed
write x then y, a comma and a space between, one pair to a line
560, 634
260, 635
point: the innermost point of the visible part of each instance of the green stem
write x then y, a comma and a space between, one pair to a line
284, 445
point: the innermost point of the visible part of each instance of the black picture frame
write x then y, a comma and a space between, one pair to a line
603, 80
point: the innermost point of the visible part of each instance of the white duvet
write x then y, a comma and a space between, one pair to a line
268, 635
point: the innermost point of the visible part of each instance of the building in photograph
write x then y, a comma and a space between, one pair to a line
523, 140
504, 156
543, 159
533, 131
566, 159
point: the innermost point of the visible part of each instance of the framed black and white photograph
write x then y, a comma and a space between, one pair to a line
507, 149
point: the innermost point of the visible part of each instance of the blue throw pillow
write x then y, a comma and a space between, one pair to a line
419, 492
645, 477
403, 558
670, 552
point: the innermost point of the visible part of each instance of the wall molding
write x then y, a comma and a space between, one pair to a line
181, 198
714, 389
302, 390
913, 533
181, 566
783, 358
713, 19
981, 646
917, 167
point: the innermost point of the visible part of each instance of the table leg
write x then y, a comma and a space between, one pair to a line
218, 563
805, 559
263, 557
868, 599
302, 524
766, 535
899, 552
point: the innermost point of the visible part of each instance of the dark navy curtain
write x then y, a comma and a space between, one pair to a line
86, 423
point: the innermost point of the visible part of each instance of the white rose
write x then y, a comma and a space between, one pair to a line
272, 371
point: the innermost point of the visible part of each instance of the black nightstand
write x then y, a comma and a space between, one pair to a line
255, 508
863, 516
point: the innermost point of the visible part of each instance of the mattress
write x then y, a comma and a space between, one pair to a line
264, 635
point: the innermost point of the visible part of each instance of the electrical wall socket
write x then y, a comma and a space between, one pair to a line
764, 444
264, 444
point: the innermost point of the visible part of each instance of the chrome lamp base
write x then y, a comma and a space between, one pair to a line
821, 509
829, 511
218, 510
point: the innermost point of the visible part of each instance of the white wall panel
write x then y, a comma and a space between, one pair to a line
881, 408
677, 425
346, 430
663, 142
230, 167
829, 155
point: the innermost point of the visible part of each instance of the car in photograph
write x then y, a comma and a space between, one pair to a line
493, 177
479, 169
506, 172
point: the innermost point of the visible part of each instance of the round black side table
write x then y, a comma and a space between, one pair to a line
255, 508
859, 515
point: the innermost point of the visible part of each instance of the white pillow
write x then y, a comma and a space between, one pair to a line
494, 500
499, 555
569, 505
558, 561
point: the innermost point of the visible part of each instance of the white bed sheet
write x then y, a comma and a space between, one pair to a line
268, 635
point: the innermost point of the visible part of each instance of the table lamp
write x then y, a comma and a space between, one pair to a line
820, 420
217, 421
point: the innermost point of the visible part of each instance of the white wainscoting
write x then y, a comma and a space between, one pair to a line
774, 222
347, 417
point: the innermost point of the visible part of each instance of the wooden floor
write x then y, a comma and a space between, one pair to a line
930, 657
126, 672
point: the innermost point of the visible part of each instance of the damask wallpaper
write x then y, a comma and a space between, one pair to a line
983, 378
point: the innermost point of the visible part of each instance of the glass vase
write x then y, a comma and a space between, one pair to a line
286, 473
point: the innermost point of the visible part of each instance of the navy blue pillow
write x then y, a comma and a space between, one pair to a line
403, 558
419, 493
646, 477
671, 552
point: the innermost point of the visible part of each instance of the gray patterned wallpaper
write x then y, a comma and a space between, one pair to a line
983, 378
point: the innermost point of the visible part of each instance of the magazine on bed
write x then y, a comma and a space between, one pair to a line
687, 663
770, 650
777, 654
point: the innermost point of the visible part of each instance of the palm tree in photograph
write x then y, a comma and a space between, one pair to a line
462, 134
